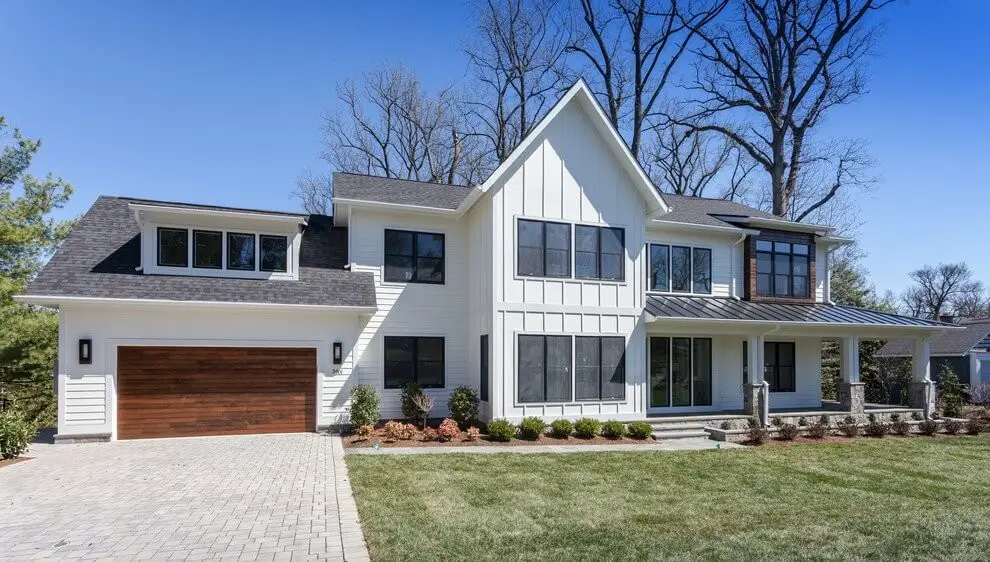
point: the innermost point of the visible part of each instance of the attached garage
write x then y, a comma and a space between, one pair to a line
191, 391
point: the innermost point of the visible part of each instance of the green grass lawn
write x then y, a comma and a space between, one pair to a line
893, 499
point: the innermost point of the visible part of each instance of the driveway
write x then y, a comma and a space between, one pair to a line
260, 497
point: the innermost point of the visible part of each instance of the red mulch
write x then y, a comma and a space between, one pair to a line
6, 462
352, 440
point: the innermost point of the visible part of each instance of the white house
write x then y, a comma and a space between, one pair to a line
566, 285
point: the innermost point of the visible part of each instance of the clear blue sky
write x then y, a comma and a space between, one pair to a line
220, 102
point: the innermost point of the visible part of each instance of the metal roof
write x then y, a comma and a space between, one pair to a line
714, 308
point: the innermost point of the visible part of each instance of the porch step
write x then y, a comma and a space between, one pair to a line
669, 434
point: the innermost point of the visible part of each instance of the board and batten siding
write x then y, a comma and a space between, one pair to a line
479, 224
413, 309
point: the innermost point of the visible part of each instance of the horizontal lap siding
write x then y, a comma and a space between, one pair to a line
85, 400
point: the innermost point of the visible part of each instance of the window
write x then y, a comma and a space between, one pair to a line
779, 366
414, 257
274, 252
680, 269
414, 359
680, 372
543, 249
483, 394
782, 269
745, 368
240, 251
544, 368
207, 249
599, 252
173, 247
599, 368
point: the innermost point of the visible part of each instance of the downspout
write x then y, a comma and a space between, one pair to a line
732, 263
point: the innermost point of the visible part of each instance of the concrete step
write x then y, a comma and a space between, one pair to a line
679, 434
660, 426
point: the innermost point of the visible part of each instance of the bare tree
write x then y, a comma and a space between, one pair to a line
972, 303
935, 288
687, 164
516, 58
632, 48
767, 76
314, 192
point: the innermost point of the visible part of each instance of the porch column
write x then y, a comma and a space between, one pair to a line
921, 393
852, 396
755, 401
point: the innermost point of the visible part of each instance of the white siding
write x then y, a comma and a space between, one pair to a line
727, 257
821, 273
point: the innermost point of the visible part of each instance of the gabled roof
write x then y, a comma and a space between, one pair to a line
100, 260
349, 187
954, 342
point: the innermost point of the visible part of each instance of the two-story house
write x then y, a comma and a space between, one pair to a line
565, 285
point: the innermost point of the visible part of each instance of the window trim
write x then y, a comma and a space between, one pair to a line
776, 376
599, 252
517, 402
227, 246
712, 358
158, 245
260, 252
223, 248
670, 269
415, 256
415, 362
773, 253
543, 242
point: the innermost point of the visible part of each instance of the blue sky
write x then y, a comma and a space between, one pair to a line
221, 102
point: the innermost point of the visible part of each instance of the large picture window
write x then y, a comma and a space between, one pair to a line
414, 257
599, 252
544, 368
782, 269
543, 249
680, 269
599, 368
779, 366
680, 372
414, 359
173, 247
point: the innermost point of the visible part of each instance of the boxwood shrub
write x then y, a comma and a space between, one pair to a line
531, 428
640, 430
463, 405
365, 406
501, 430
586, 428
561, 429
613, 429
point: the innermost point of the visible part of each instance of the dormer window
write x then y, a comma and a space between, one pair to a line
173, 247
274, 252
240, 251
207, 249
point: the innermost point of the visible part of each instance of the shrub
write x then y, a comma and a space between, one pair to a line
531, 428
777, 422
463, 404
501, 430
640, 430
876, 428
895, 417
395, 431
561, 429
613, 429
757, 435
979, 412
953, 427
802, 421
430, 434
825, 420
900, 427
951, 394
928, 427
16, 432
980, 393
726, 425
817, 430
448, 430
424, 405
871, 417
365, 406
753, 422
849, 427
586, 428
789, 432
365, 431
409, 393
975, 426
916, 416
472, 434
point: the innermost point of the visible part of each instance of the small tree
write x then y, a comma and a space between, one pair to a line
424, 405
409, 394
365, 406
951, 394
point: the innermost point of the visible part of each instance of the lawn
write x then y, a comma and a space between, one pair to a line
893, 499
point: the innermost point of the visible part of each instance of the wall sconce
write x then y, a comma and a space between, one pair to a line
85, 352
338, 353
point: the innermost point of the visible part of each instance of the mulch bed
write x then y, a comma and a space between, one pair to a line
7, 462
842, 439
356, 441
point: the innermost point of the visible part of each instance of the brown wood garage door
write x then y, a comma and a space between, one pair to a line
185, 391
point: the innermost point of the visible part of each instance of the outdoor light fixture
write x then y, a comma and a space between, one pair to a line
85, 352
338, 353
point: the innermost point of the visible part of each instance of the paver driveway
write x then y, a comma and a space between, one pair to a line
264, 497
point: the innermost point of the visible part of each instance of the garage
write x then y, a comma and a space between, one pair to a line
192, 391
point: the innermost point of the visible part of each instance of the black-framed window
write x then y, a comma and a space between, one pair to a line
207, 249
779, 361
543, 249
414, 359
274, 252
599, 368
680, 269
783, 269
240, 251
599, 252
680, 371
173, 247
544, 368
414, 257
483, 359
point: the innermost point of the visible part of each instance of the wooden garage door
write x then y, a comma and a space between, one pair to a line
185, 391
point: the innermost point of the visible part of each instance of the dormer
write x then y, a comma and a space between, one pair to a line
203, 241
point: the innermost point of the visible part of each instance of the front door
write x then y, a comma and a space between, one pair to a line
680, 372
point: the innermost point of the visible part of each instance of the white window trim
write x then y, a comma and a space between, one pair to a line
516, 403
670, 259
573, 278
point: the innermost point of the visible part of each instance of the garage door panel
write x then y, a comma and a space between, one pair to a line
187, 391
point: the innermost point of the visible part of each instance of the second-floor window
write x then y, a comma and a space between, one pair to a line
414, 257
680, 269
782, 269
599, 252
544, 249
173, 247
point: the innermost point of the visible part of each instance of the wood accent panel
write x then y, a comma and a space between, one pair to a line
749, 264
190, 391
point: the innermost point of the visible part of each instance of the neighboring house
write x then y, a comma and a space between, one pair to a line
566, 285
966, 351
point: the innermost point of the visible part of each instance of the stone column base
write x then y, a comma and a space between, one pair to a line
852, 397
917, 397
752, 405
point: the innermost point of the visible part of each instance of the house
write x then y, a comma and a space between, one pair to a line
966, 351
565, 285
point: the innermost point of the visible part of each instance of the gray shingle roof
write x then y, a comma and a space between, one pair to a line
100, 256
710, 308
402, 192
156, 203
953, 342
698, 210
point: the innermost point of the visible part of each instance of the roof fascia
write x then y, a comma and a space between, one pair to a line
138, 208
934, 329
675, 225
395, 206
43, 300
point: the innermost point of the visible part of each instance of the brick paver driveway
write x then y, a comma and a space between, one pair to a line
265, 497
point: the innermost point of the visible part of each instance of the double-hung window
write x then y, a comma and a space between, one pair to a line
782, 269
414, 257
680, 269
543, 249
414, 359
599, 368
778, 359
599, 252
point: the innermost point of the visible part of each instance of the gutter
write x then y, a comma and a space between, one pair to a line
43, 300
